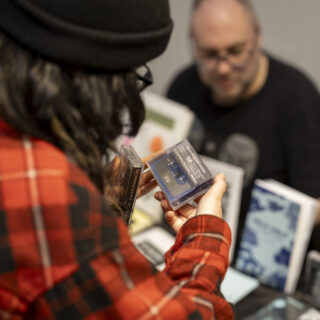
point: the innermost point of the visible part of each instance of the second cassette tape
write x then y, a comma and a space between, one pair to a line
127, 181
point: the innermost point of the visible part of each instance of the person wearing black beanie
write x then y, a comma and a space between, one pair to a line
70, 73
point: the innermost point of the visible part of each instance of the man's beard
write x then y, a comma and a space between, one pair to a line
228, 99
230, 94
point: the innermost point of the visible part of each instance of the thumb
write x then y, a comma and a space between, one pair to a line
210, 203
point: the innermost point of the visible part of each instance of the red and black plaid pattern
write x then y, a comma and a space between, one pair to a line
65, 255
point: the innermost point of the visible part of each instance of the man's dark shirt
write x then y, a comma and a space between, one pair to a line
275, 134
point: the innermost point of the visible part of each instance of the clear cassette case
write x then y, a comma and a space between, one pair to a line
181, 174
128, 178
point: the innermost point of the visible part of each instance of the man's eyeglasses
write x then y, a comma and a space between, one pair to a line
144, 77
237, 58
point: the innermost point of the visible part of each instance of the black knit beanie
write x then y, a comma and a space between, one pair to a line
110, 35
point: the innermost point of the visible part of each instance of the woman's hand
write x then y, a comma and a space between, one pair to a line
209, 203
147, 184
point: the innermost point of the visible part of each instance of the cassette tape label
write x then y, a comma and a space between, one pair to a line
192, 164
174, 178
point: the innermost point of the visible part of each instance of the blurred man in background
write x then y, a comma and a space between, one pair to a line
252, 110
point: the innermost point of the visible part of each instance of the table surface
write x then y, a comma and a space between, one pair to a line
261, 297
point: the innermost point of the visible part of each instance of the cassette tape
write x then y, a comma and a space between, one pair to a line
127, 180
181, 174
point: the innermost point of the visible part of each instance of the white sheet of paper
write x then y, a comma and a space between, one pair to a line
311, 314
237, 285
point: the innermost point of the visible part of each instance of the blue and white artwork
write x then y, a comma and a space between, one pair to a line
268, 237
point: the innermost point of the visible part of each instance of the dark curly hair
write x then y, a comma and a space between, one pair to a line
80, 111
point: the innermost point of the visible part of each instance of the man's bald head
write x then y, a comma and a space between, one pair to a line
226, 44
245, 3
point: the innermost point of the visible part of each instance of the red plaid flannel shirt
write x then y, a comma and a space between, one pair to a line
65, 255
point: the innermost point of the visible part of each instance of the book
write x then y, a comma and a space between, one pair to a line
307, 216
232, 197
276, 234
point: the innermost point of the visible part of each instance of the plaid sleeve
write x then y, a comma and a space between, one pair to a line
121, 284
65, 255
199, 259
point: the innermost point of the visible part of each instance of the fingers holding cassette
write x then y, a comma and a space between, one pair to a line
147, 181
147, 176
163, 201
176, 218
209, 204
211, 201
186, 211
146, 185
